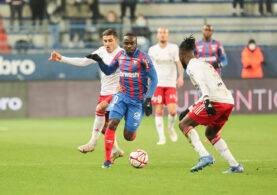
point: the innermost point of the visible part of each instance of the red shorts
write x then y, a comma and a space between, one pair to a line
165, 95
199, 114
107, 98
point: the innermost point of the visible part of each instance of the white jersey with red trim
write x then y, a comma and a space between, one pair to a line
164, 60
108, 82
206, 79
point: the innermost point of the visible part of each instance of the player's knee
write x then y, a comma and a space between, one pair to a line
128, 135
182, 125
172, 112
211, 133
113, 123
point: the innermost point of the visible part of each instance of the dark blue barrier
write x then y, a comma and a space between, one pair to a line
37, 67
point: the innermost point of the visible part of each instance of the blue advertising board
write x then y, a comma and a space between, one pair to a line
37, 67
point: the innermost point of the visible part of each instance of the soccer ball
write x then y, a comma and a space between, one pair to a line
138, 158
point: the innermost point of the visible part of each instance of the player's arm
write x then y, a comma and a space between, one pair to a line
222, 55
153, 84
55, 56
107, 69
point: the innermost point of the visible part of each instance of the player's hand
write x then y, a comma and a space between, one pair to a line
183, 114
180, 82
147, 106
209, 107
95, 57
217, 65
248, 67
55, 56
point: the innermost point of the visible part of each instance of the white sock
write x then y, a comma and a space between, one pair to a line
98, 125
196, 143
222, 148
160, 126
171, 120
115, 146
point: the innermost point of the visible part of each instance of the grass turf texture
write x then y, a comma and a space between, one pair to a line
39, 156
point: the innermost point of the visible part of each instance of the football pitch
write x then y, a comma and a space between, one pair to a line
39, 156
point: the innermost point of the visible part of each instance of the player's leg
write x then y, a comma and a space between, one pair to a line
118, 110
133, 119
158, 102
219, 144
187, 126
98, 125
171, 102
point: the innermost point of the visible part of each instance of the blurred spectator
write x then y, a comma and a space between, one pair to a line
78, 11
210, 50
94, 7
241, 4
268, 7
132, 5
182, 1
252, 59
143, 33
38, 10
16, 7
111, 21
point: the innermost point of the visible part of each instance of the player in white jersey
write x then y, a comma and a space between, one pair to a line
211, 110
108, 88
165, 58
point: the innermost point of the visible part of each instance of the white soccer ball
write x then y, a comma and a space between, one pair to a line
138, 158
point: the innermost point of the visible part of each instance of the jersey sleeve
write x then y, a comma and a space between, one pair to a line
222, 55
151, 72
108, 69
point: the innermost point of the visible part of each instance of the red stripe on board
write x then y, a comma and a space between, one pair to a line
139, 78
122, 77
130, 78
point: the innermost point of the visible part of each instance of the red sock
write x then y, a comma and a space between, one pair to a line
109, 141
134, 136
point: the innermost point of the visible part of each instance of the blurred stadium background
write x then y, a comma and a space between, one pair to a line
39, 156
31, 86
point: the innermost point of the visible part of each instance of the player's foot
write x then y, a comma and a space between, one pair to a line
119, 153
173, 135
86, 148
161, 142
237, 169
107, 164
203, 162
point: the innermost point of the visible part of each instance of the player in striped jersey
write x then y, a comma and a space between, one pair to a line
135, 68
211, 110
108, 88
210, 50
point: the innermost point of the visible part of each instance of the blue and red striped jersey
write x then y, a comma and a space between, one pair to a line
210, 52
134, 73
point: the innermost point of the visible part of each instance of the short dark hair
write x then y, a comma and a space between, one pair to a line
130, 34
188, 44
109, 32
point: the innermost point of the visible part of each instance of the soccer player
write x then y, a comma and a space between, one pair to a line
165, 58
211, 110
135, 69
210, 50
108, 88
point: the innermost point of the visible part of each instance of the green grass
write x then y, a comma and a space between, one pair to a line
39, 156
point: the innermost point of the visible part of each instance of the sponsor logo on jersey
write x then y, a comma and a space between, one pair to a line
129, 74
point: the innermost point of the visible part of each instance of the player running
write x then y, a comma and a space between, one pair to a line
108, 88
211, 110
165, 58
135, 69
